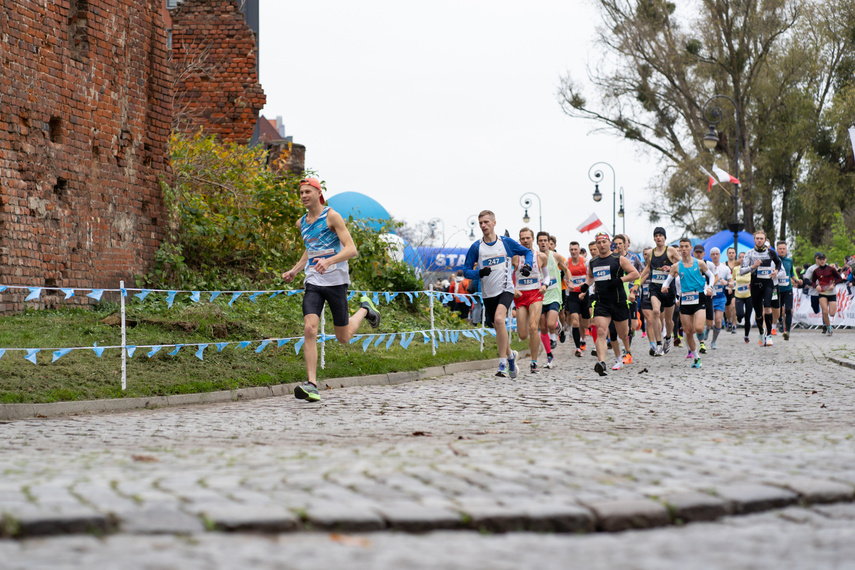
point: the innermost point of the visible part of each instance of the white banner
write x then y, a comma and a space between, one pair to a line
803, 312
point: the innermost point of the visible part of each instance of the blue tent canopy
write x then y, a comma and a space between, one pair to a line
724, 240
361, 207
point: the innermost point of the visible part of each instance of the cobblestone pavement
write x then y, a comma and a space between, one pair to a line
563, 450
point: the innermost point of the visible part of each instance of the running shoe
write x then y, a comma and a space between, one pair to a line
562, 336
512, 364
533, 367
627, 358
747, 340
652, 349
824, 329
678, 340
582, 345
593, 352
667, 347
659, 351
830, 330
578, 352
503, 370
552, 344
713, 346
762, 340
307, 391
786, 335
774, 331
617, 365
703, 348
600, 368
373, 316
690, 354
696, 363
549, 359
769, 341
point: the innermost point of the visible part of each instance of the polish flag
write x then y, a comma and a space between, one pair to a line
711, 177
852, 138
724, 176
591, 223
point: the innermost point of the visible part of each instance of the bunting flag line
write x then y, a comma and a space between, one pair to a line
170, 298
34, 293
261, 346
390, 341
131, 349
154, 350
196, 296
31, 354
177, 348
69, 293
60, 353
221, 345
200, 353
255, 295
214, 295
99, 350
96, 294
142, 294
235, 296
298, 345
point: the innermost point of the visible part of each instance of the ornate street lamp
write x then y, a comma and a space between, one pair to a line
526, 203
596, 176
711, 142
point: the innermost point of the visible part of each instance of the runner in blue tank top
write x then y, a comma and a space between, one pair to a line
328, 247
693, 296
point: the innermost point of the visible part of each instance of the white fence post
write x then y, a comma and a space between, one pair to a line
124, 332
432, 337
323, 333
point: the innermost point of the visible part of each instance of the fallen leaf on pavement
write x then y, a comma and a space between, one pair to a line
642, 371
144, 458
350, 540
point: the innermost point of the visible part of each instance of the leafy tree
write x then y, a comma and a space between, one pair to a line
780, 61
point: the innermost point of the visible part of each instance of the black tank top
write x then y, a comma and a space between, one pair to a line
607, 277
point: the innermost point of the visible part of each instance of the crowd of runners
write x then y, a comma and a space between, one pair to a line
669, 295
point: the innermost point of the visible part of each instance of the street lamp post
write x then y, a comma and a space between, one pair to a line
711, 141
432, 224
472, 221
621, 214
596, 176
526, 203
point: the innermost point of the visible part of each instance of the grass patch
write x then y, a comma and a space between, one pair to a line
81, 375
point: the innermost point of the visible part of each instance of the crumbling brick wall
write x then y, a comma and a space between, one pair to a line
214, 57
85, 114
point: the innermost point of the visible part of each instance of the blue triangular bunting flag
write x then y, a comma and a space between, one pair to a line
235, 296
98, 350
261, 346
175, 351
57, 354
282, 342
409, 296
31, 354
95, 294
200, 352
131, 349
214, 295
221, 345
34, 293
390, 341
69, 293
170, 298
366, 343
379, 340
154, 350
195, 296
298, 345
142, 294
243, 344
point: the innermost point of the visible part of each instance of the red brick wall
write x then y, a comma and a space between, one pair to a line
85, 113
214, 56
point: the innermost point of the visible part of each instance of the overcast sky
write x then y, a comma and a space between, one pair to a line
446, 108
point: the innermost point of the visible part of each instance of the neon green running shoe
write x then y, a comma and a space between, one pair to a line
373, 316
308, 392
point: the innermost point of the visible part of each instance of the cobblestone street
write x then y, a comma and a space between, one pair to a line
756, 430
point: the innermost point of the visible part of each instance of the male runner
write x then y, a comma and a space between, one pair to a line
730, 307
621, 242
659, 263
552, 297
328, 247
489, 259
763, 264
786, 278
562, 317
698, 252
824, 279
576, 302
609, 271
694, 288
528, 297
723, 284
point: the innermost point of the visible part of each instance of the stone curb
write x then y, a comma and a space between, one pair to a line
841, 362
525, 515
9, 412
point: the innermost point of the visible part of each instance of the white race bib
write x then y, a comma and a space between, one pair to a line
659, 277
492, 261
690, 298
603, 274
764, 272
316, 254
577, 280
783, 279
645, 289
742, 288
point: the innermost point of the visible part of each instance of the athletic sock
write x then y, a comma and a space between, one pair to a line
544, 338
715, 334
700, 336
577, 337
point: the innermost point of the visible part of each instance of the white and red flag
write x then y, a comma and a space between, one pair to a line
593, 222
710, 176
852, 138
724, 176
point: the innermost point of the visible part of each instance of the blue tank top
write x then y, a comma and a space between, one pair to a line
691, 278
322, 242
